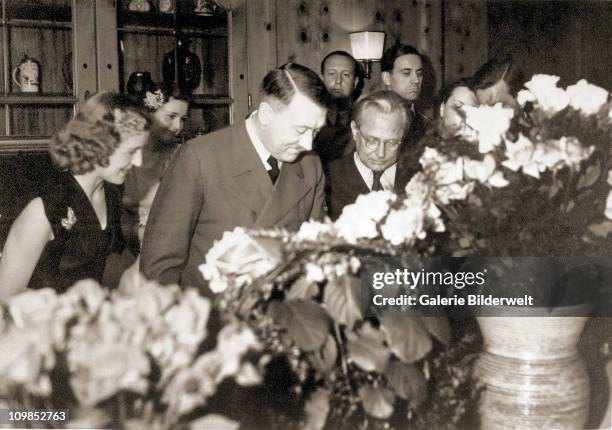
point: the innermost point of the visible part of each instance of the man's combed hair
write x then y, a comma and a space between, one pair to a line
501, 67
384, 102
387, 61
283, 83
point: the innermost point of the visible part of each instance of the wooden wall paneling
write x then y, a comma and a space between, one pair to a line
38, 120
569, 39
84, 52
238, 67
431, 40
594, 55
106, 45
465, 38
136, 58
5, 69
215, 66
261, 43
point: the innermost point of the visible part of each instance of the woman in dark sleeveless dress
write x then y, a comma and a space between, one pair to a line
66, 233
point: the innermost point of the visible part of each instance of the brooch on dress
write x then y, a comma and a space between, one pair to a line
70, 219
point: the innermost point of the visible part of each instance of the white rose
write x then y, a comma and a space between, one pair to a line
490, 122
485, 172
359, 220
525, 96
520, 155
404, 225
586, 98
550, 98
446, 193
313, 230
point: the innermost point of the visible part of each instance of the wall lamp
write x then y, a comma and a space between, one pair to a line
367, 47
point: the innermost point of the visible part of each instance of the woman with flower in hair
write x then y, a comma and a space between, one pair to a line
168, 108
66, 233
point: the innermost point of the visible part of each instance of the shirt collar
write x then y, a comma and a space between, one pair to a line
263, 153
387, 180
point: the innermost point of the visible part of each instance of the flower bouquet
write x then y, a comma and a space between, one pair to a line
121, 359
530, 183
306, 296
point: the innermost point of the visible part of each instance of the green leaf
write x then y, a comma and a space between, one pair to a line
343, 299
590, 176
367, 350
377, 402
406, 337
317, 409
407, 381
305, 321
302, 289
324, 359
438, 327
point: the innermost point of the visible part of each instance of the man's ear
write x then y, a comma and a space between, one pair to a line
355, 83
354, 130
442, 109
265, 113
386, 78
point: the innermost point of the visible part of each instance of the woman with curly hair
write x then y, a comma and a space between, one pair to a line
66, 233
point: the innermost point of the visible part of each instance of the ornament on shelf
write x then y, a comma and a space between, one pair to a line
166, 6
186, 63
138, 84
27, 75
139, 6
205, 7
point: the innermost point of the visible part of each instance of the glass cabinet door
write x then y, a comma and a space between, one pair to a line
183, 42
37, 86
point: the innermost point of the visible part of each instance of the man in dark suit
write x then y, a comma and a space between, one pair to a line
378, 126
343, 78
402, 73
256, 174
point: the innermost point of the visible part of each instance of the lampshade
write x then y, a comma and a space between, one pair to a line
367, 45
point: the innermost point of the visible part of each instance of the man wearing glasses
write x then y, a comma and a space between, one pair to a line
378, 126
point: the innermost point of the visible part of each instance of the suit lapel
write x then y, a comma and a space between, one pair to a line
289, 189
244, 174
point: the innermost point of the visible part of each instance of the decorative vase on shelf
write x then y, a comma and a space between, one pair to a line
138, 84
205, 7
139, 6
166, 6
186, 63
27, 75
532, 375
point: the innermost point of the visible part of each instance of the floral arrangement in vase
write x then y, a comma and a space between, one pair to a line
121, 359
535, 182
305, 295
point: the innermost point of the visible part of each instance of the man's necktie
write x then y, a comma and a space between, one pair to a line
274, 171
376, 185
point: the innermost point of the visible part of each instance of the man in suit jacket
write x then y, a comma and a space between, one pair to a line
256, 174
379, 123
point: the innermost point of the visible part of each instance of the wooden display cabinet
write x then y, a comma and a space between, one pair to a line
44, 31
145, 38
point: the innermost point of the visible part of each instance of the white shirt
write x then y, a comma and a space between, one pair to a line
263, 153
387, 180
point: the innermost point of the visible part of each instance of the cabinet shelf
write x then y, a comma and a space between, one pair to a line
39, 12
159, 20
37, 99
161, 31
15, 144
201, 100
